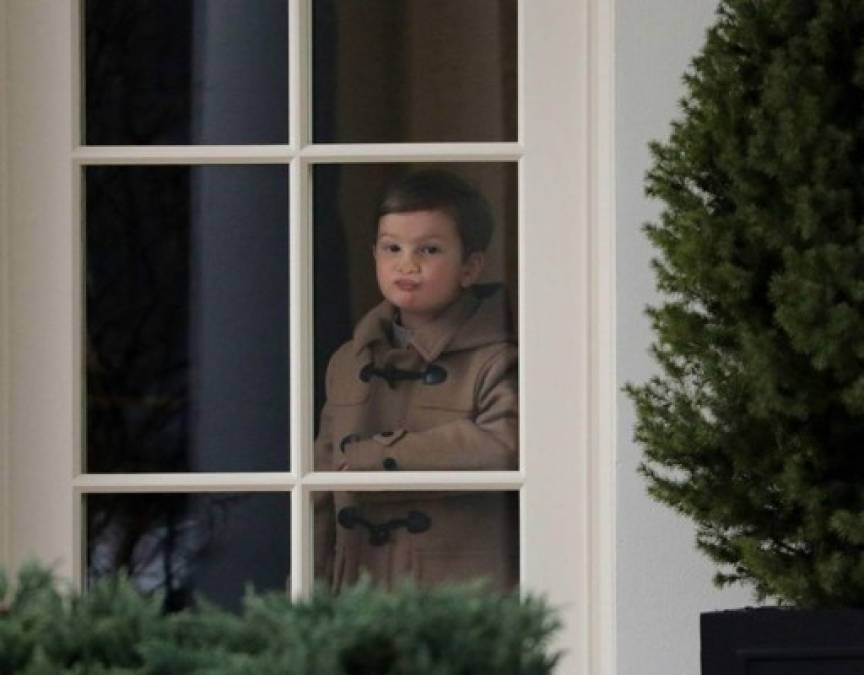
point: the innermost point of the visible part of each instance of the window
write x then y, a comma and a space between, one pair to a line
548, 144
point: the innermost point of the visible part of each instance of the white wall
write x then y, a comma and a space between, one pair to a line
663, 582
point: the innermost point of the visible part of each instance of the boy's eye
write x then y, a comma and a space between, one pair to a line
431, 250
390, 248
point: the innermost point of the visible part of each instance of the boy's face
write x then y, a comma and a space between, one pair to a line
420, 265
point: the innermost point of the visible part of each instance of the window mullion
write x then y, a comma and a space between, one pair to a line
299, 72
181, 154
185, 482
415, 480
412, 152
302, 553
301, 305
302, 319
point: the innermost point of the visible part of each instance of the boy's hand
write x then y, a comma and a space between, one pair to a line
341, 459
380, 441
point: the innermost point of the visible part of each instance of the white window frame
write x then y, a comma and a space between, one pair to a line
567, 309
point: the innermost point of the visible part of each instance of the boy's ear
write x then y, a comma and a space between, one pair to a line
472, 267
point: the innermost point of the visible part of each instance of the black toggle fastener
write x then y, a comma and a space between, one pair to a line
431, 375
434, 374
350, 438
417, 522
379, 533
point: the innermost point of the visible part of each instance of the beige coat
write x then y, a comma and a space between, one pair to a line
448, 401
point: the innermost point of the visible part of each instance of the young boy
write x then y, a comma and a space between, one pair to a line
428, 382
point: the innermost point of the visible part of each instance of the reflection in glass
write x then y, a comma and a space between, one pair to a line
196, 71
427, 537
452, 423
415, 71
187, 545
187, 335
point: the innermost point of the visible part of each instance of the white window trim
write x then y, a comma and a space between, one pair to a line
5, 314
603, 398
29, 446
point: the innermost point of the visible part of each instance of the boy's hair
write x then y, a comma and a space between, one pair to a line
437, 190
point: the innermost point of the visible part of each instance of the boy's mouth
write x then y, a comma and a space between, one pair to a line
405, 285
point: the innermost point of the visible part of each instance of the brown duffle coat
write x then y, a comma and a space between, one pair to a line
449, 401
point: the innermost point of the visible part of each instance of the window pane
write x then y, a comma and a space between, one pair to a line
187, 327
187, 545
196, 71
442, 396
415, 71
427, 537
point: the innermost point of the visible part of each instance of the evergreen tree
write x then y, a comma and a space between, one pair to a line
755, 428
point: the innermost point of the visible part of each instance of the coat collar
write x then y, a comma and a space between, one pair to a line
480, 316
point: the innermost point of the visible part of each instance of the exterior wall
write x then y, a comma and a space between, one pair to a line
663, 582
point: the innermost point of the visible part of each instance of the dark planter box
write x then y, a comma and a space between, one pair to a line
771, 641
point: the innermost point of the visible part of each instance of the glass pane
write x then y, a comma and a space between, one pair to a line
427, 374
187, 327
188, 545
425, 537
415, 71
197, 71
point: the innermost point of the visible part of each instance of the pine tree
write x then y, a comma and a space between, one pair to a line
755, 427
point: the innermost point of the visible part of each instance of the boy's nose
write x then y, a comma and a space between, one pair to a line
408, 263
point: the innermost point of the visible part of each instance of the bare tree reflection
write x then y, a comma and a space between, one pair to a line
137, 319
161, 540
138, 71
137, 290
143, 379
137, 246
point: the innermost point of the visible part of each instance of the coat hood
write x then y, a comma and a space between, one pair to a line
479, 317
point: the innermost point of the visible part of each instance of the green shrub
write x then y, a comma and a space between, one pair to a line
113, 630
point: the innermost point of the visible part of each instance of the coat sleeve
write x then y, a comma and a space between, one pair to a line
489, 440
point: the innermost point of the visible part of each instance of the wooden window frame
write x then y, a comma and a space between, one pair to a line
566, 214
